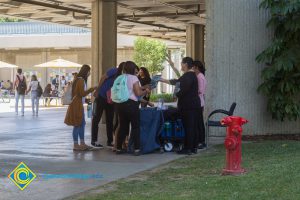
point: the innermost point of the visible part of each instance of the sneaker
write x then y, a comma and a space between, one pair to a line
194, 151
100, 146
22, 115
85, 147
185, 152
122, 151
137, 152
202, 146
110, 145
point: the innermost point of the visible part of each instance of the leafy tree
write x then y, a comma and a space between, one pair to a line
281, 76
7, 19
152, 54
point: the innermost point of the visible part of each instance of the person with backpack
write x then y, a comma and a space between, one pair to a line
21, 87
125, 92
103, 103
36, 93
75, 113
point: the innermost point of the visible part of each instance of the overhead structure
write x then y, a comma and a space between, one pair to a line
7, 65
165, 19
59, 63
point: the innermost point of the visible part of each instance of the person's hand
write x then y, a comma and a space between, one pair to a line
151, 104
162, 80
147, 91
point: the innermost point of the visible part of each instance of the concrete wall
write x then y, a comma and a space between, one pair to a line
235, 35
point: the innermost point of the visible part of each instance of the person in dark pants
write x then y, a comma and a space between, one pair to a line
129, 110
199, 70
188, 105
103, 103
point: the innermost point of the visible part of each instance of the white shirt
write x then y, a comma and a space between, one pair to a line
34, 85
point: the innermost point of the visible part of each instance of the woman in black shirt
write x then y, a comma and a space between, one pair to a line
189, 105
145, 80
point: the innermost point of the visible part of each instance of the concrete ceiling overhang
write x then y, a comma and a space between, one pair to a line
165, 19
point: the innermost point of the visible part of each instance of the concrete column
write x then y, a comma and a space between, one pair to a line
104, 38
195, 41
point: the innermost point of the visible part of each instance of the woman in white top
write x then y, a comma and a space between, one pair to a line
128, 111
34, 96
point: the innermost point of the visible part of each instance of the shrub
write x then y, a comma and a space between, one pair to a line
165, 97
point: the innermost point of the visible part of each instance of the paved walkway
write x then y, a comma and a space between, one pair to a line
44, 143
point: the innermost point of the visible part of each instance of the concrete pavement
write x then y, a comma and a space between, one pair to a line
44, 144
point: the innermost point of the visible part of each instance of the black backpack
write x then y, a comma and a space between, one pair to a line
21, 86
39, 90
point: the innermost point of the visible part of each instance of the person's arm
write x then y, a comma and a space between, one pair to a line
138, 91
28, 89
103, 78
170, 82
185, 86
80, 89
15, 83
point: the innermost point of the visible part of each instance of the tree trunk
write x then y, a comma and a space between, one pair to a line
171, 63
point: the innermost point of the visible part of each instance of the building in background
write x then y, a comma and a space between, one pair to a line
26, 44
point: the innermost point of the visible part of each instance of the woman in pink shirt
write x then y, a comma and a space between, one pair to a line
200, 72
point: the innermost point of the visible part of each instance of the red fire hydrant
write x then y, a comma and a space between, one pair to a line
233, 143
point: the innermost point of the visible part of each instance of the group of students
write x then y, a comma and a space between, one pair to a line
126, 114
35, 90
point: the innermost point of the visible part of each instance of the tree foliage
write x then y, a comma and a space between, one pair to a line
281, 76
150, 54
7, 19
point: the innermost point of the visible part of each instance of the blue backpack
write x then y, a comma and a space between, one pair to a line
119, 91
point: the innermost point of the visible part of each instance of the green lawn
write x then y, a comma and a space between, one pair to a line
273, 173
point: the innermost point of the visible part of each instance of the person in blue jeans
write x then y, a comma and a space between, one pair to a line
34, 95
20, 91
75, 113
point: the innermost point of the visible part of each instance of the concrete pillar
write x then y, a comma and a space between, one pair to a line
104, 38
195, 41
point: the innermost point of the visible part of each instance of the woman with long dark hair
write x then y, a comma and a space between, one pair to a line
145, 80
104, 103
188, 105
199, 70
129, 110
75, 113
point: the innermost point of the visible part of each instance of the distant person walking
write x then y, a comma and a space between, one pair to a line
63, 83
20, 86
75, 113
33, 87
55, 82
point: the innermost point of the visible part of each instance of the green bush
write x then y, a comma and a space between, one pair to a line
281, 76
165, 97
